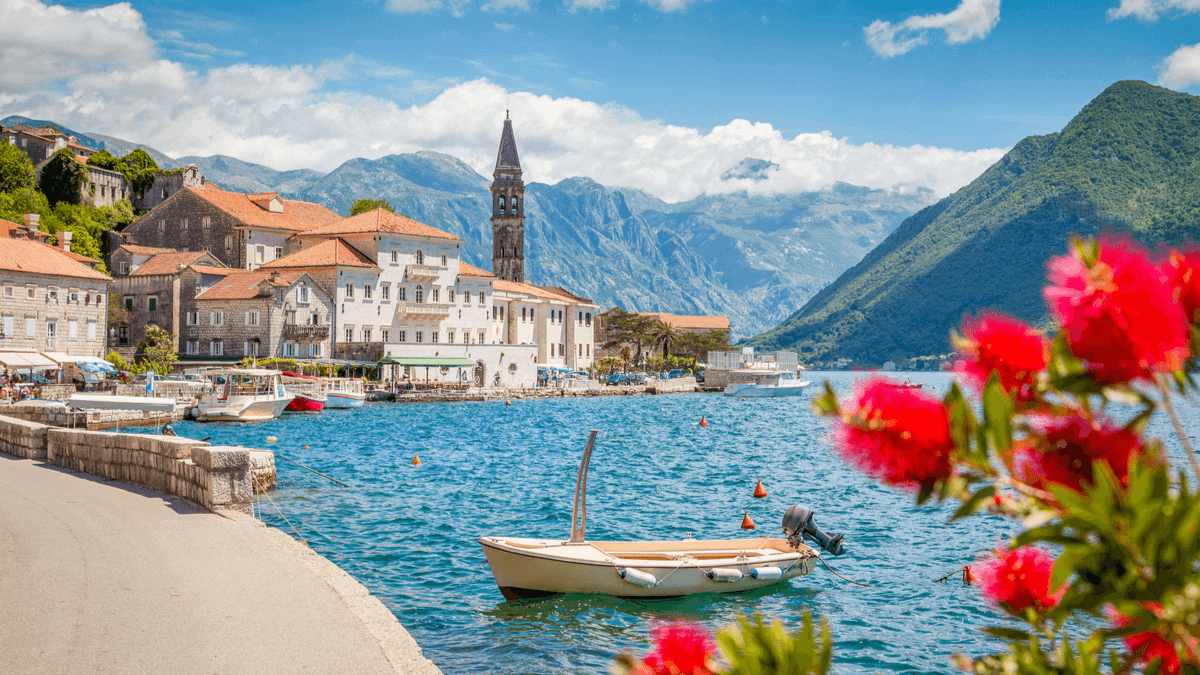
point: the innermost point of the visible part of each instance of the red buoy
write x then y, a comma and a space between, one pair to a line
507, 402
759, 490
416, 459
747, 524
703, 422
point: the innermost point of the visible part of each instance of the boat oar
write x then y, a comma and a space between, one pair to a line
312, 470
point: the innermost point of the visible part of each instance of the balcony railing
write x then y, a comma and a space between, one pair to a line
424, 271
421, 310
301, 331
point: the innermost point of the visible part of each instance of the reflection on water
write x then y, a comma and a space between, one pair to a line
409, 533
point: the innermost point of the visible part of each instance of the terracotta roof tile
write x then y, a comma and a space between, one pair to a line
10, 230
209, 185
382, 220
246, 284
76, 256
145, 250
468, 270
32, 257
325, 254
296, 216
697, 322
166, 263
211, 269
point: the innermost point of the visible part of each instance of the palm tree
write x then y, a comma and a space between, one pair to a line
665, 336
626, 352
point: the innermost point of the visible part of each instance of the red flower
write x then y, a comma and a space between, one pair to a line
1119, 315
1066, 447
1149, 645
679, 649
1185, 277
1017, 579
900, 436
1011, 348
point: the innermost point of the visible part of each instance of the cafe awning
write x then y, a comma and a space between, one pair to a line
431, 361
26, 360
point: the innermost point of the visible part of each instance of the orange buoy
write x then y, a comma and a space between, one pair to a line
507, 402
967, 576
759, 490
743, 398
306, 447
703, 421
747, 524
416, 459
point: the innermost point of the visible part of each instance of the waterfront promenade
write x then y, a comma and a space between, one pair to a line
98, 576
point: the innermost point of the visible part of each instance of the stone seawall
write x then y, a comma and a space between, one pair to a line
60, 416
678, 385
216, 477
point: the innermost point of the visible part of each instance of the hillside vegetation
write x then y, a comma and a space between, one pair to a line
1127, 163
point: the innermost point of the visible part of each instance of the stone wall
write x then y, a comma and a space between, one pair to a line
208, 228
673, 386
61, 416
216, 477
103, 187
167, 183
33, 305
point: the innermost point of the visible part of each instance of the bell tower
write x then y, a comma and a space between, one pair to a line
508, 210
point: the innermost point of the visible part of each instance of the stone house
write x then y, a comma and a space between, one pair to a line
262, 313
159, 291
242, 231
39, 144
50, 302
126, 258
29, 230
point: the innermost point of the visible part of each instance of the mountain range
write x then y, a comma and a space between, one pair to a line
1126, 164
754, 258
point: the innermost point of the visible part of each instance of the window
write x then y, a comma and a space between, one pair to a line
162, 224
216, 348
482, 337
495, 312
562, 351
250, 348
366, 334
420, 257
30, 327
443, 260
579, 318
482, 298
291, 349
433, 337
251, 318
72, 329
450, 337
123, 335
217, 318
589, 350
193, 318
183, 223
385, 291
420, 295
152, 303
350, 334
193, 347
99, 299
350, 290
123, 267
314, 349
228, 242
395, 256
450, 294
401, 293
501, 203
164, 193
8, 326
466, 297
278, 251
29, 293
401, 336
433, 295
259, 252
420, 336
205, 222
587, 319
73, 296
314, 319
289, 317
367, 291
302, 295
91, 331
128, 303
383, 334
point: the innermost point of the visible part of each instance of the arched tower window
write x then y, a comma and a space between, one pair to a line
420, 291
420, 259
502, 204
516, 203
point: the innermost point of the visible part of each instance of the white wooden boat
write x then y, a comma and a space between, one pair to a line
530, 568
343, 392
245, 395
767, 384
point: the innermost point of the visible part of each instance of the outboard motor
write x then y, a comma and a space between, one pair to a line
798, 525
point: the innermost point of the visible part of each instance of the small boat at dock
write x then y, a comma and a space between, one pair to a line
242, 395
765, 383
307, 392
343, 392
532, 568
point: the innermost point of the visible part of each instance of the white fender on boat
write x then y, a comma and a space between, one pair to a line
638, 577
766, 573
726, 574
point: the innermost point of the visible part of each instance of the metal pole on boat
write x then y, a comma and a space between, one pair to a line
578, 533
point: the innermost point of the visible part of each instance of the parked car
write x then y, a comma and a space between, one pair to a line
675, 374
699, 377
617, 379
638, 378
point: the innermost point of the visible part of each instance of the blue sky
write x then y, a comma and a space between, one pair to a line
985, 75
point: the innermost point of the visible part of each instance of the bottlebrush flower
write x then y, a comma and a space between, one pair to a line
679, 649
1001, 344
899, 436
1148, 645
1018, 579
1065, 448
1185, 276
1119, 315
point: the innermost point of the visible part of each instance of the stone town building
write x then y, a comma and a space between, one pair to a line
508, 210
50, 302
40, 143
263, 313
29, 230
160, 290
682, 323
243, 231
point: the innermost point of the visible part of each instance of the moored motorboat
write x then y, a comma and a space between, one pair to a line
307, 392
767, 384
525, 568
242, 395
343, 392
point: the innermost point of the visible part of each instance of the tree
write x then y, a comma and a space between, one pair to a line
118, 214
16, 171
664, 336
117, 361
105, 160
621, 327
158, 351
607, 365
62, 178
364, 205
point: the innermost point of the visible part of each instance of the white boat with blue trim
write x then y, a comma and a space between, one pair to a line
766, 383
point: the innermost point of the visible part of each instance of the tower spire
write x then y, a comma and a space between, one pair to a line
508, 209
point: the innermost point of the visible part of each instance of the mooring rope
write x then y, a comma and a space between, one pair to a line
281, 515
965, 570
840, 576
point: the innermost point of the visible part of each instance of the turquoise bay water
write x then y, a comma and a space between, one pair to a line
408, 533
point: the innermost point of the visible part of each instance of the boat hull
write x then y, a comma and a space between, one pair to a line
305, 404
766, 391
531, 568
256, 411
344, 399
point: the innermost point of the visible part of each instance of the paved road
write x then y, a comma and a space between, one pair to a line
102, 577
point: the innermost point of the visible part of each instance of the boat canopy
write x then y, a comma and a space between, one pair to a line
256, 372
26, 360
431, 361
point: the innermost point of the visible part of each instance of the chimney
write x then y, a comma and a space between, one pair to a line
31, 221
64, 239
275, 276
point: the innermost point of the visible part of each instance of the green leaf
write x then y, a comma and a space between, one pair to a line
997, 414
974, 503
826, 404
1007, 633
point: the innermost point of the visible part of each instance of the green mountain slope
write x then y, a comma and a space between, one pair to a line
1127, 162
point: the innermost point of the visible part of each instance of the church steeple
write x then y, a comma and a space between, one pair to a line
508, 210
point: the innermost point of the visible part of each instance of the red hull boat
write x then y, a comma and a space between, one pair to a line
307, 392
304, 403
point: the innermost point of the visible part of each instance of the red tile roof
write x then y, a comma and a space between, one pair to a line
11, 230
382, 220
209, 185
325, 254
76, 256
697, 322
32, 257
296, 216
469, 270
210, 269
246, 284
145, 250
167, 263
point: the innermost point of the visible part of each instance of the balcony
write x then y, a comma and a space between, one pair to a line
302, 332
430, 272
417, 311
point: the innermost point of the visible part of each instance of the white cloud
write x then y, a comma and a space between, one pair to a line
670, 5
286, 118
1150, 10
457, 7
1181, 69
502, 5
971, 20
576, 5
504, 26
